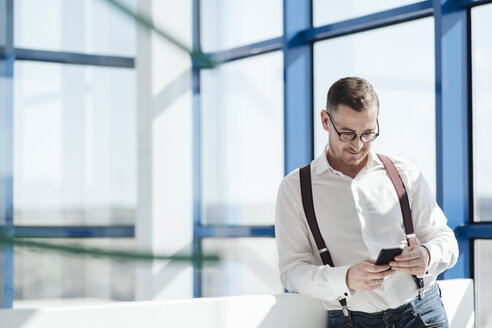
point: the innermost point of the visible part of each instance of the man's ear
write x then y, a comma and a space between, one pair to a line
325, 121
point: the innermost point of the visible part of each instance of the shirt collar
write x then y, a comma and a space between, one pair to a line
323, 165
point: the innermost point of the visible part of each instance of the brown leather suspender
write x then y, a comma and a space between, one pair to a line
405, 207
308, 205
402, 196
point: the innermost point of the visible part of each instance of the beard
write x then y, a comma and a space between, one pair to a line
348, 156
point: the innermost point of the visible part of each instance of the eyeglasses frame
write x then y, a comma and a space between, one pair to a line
353, 133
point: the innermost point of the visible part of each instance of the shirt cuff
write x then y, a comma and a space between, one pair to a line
338, 281
435, 255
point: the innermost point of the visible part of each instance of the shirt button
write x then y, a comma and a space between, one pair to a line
346, 294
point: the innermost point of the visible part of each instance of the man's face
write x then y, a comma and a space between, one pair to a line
349, 155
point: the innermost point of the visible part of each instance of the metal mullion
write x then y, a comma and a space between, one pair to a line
482, 230
471, 173
5, 52
298, 86
114, 231
473, 3
384, 18
234, 231
6, 147
249, 50
197, 160
368, 22
73, 58
452, 126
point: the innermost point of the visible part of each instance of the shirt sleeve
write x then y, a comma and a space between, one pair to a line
301, 270
431, 228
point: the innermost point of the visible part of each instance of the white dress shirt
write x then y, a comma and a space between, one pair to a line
357, 218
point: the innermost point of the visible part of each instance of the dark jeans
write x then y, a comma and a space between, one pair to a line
426, 312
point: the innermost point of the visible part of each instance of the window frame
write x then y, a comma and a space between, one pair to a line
453, 125
8, 55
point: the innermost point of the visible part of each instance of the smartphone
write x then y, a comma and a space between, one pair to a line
386, 255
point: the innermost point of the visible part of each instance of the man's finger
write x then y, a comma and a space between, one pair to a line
379, 275
408, 256
373, 284
412, 270
378, 268
406, 270
408, 264
388, 272
378, 282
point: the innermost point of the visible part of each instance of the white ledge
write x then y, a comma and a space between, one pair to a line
265, 311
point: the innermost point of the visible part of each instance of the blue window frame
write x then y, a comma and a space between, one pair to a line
6, 158
453, 122
453, 103
8, 55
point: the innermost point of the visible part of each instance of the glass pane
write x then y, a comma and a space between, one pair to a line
227, 24
483, 283
242, 138
52, 278
74, 145
247, 266
401, 72
331, 11
482, 115
87, 26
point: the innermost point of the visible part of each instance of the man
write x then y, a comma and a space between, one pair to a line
358, 213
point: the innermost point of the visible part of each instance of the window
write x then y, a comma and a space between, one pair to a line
73, 132
482, 116
401, 72
242, 130
44, 276
482, 154
331, 11
74, 145
247, 266
82, 26
483, 286
228, 24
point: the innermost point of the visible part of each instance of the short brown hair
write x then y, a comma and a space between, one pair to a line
354, 92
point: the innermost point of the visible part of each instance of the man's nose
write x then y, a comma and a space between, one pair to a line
357, 144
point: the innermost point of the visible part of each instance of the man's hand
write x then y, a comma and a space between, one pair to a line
413, 260
366, 275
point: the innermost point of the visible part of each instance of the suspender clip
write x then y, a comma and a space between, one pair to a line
421, 293
343, 303
323, 250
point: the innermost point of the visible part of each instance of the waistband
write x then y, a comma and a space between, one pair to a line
430, 293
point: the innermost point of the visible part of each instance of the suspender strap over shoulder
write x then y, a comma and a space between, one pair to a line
402, 196
404, 204
307, 203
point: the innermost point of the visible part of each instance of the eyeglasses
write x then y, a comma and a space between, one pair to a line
351, 136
